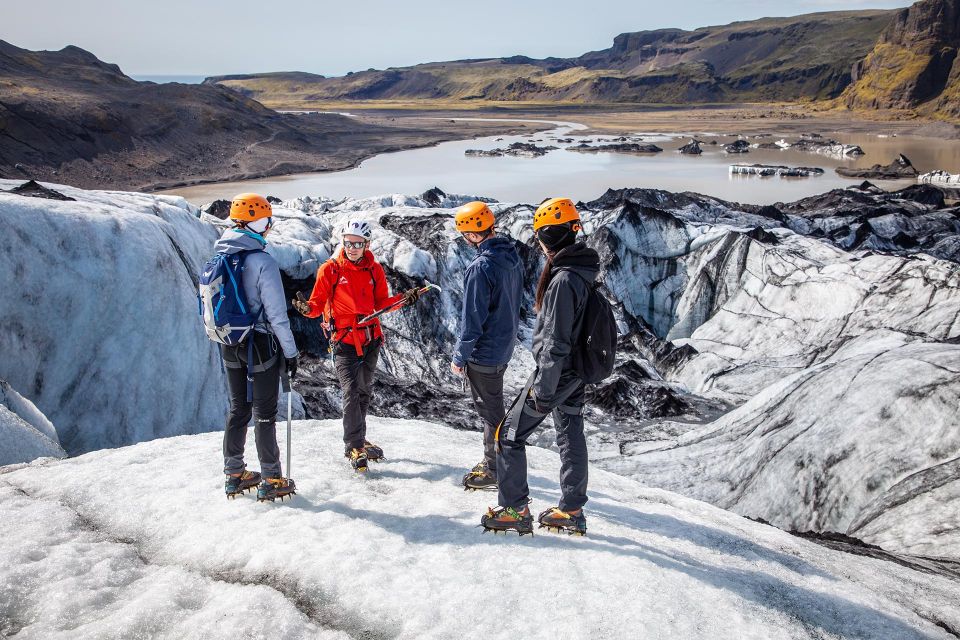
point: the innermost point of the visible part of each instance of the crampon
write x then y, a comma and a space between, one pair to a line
479, 479
272, 488
238, 485
507, 519
358, 459
555, 519
374, 453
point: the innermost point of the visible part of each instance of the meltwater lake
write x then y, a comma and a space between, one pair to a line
586, 176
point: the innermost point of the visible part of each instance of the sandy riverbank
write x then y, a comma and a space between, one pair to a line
721, 119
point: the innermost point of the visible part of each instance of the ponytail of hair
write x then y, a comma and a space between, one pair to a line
545, 277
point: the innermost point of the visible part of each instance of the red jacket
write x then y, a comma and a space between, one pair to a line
360, 290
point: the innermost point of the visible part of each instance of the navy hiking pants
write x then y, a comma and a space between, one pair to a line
486, 390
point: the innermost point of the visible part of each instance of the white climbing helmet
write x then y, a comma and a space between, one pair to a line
357, 228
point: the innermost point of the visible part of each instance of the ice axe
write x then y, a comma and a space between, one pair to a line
396, 305
288, 389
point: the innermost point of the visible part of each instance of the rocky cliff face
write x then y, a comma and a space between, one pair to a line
914, 62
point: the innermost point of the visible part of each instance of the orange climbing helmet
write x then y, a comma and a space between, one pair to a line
474, 217
556, 211
248, 207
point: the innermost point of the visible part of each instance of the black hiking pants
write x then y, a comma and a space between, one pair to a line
486, 390
266, 393
356, 375
512, 454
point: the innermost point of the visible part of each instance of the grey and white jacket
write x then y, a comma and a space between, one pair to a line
262, 287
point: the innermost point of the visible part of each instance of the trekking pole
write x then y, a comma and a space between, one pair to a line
399, 304
288, 388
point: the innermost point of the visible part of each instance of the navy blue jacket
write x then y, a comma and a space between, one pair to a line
492, 295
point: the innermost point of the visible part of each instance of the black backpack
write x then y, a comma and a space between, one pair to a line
596, 349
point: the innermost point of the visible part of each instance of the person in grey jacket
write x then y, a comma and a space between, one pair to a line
555, 385
492, 295
273, 348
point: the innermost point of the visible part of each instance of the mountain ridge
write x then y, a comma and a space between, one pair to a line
67, 116
765, 59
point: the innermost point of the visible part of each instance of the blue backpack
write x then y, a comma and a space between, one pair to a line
223, 305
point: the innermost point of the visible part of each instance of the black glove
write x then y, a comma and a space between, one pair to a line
410, 295
292, 364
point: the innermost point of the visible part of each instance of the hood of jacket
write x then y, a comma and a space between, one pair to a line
499, 250
578, 258
236, 240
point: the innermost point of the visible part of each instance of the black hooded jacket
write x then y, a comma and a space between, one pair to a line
560, 319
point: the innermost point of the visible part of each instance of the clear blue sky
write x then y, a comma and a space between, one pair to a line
211, 37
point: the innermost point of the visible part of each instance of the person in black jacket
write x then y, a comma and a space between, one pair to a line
492, 295
555, 386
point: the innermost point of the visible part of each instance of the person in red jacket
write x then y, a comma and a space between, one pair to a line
349, 287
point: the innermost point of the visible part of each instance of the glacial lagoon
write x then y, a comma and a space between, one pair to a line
585, 176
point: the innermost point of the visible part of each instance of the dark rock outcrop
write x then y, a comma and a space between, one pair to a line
901, 167
32, 189
621, 147
219, 209
433, 196
517, 150
740, 146
691, 148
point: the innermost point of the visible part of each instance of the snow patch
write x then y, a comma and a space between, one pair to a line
85, 554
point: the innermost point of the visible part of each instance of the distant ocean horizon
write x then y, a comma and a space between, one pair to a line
163, 79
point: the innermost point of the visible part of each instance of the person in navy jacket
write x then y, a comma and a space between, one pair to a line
492, 295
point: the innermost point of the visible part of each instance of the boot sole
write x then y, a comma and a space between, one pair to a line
505, 531
280, 496
489, 487
573, 531
241, 491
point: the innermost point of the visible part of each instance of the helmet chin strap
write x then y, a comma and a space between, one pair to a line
484, 236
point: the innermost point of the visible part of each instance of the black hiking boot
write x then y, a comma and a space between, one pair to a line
240, 484
358, 460
272, 488
479, 478
507, 519
554, 519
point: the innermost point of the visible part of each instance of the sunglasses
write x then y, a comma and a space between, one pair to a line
354, 245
